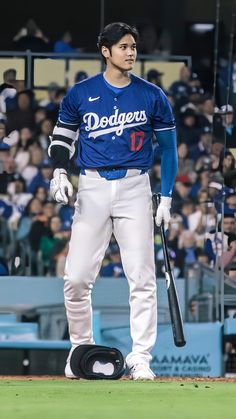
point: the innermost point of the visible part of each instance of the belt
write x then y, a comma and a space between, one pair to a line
111, 173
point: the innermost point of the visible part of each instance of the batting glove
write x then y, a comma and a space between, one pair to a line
60, 187
163, 212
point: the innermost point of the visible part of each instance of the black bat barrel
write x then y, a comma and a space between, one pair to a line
174, 307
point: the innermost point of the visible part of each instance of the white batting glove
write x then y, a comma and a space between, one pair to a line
60, 187
163, 212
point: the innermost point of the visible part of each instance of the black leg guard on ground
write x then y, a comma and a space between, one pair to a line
96, 362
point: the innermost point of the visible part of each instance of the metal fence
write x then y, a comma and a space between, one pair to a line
39, 69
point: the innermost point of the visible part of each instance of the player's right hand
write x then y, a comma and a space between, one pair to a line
60, 187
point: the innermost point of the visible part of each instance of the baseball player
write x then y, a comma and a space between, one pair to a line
116, 114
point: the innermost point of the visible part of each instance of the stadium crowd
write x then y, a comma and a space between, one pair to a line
34, 230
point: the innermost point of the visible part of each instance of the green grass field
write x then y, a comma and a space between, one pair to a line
49, 399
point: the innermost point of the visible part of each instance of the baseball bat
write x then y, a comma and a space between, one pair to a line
174, 307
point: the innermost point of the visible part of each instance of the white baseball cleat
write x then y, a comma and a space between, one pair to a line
69, 373
141, 372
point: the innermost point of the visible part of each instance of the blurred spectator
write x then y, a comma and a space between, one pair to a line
36, 154
202, 148
229, 255
202, 257
7, 141
41, 193
9, 76
22, 155
213, 242
50, 103
154, 76
224, 126
32, 38
43, 177
194, 80
64, 44
216, 152
230, 204
40, 225
228, 161
202, 180
114, 268
180, 89
80, 76
229, 223
35, 159
46, 129
185, 165
7, 88
215, 187
188, 208
229, 169
195, 95
40, 114
23, 115
187, 129
188, 249
176, 227
30, 214
206, 108
50, 239
17, 191
18, 196
181, 192
204, 218
53, 112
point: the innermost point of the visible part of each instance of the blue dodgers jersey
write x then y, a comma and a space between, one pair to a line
116, 127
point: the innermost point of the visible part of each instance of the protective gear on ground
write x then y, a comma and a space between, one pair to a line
95, 362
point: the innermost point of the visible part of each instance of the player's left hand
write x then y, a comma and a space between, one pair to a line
163, 212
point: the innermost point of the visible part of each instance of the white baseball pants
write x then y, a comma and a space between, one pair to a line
122, 207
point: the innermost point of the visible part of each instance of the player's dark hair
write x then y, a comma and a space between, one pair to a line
112, 33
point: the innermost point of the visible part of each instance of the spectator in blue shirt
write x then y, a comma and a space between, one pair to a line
114, 268
63, 44
42, 178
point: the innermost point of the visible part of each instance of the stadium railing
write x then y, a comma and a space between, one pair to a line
40, 69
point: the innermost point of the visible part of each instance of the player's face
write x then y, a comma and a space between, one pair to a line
123, 54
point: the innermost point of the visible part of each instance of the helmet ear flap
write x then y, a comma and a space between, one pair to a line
96, 362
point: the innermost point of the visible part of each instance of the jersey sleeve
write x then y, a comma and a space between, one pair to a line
163, 118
